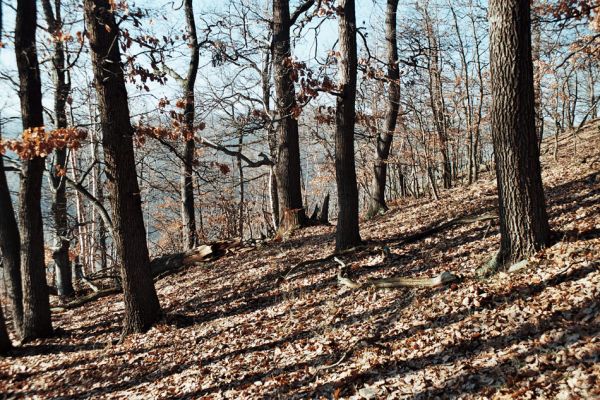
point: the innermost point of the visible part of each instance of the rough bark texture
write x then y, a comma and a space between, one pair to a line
347, 232
523, 219
142, 308
36, 305
64, 283
188, 212
287, 168
5, 344
384, 139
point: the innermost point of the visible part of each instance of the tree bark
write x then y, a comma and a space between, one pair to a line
347, 232
10, 247
384, 139
477, 130
287, 169
272, 141
10, 244
36, 305
5, 344
188, 209
523, 219
142, 308
537, 82
64, 283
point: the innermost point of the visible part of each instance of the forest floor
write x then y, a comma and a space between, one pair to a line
235, 328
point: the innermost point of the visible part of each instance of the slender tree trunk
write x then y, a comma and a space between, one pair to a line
102, 231
36, 305
64, 283
478, 116
142, 308
523, 219
537, 81
347, 232
10, 248
272, 140
10, 242
188, 209
592, 93
437, 100
291, 209
468, 102
241, 182
82, 234
384, 139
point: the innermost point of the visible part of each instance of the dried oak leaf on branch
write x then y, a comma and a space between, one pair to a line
37, 142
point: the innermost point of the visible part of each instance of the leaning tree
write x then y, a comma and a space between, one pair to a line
142, 308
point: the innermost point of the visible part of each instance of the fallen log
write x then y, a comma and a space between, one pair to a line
172, 262
162, 266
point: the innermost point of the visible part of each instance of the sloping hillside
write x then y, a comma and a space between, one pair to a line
239, 328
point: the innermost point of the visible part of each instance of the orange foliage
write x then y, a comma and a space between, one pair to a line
37, 142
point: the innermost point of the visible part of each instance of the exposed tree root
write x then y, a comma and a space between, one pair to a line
445, 225
85, 299
406, 240
330, 257
439, 280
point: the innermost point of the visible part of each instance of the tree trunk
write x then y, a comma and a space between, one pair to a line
347, 232
537, 82
523, 219
478, 116
323, 216
64, 283
5, 344
10, 243
287, 169
468, 106
142, 308
438, 107
272, 140
241, 204
384, 139
188, 209
10, 248
36, 305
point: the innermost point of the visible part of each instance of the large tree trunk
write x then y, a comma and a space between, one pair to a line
523, 219
291, 209
188, 209
5, 344
384, 140
142, 308
64, 283
347, 232
36, 305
